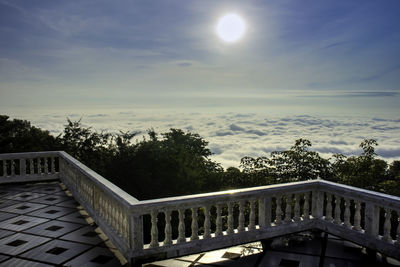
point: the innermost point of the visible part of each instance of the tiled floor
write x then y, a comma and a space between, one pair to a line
40, 225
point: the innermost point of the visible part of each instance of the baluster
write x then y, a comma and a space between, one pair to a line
168, 228
278, 210
101, 206
241, 216
328, 216
31, 167
337, 210
230, 218
297, 207
195, 226
114, 217
357, 216
126, 228
154, 230
288, 209
5, 168
39, 165
52, 165
347, 213
207, 225
181, 226
218, 230
108, 212
306, 208
12, 167
387, 225
46, 166
119, 221
252, 217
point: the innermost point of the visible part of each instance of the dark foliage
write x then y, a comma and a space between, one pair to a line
178, 163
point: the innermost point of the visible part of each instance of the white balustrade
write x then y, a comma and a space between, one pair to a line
121, 216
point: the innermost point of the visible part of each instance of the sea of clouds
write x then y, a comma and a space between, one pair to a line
232, 136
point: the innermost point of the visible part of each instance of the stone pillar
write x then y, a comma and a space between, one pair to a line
371, 219
317, 204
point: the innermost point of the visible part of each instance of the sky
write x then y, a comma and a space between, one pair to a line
312, 58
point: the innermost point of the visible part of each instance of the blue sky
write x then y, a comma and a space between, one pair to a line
166, 53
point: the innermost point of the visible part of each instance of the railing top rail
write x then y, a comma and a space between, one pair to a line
114, 190
363, 194
27, 154
234, 194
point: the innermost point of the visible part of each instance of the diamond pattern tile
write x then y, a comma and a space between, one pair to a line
75, 217
36, 221
4, 233
21, 222
25, 196
20, 262
23, 208
56, 251
18, 243
85, 235
6, 215
53, 228
52, 212
97, 256
51, 199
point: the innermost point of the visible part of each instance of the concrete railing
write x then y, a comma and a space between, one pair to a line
25, 167
171, 227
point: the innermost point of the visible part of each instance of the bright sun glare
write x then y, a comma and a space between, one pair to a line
231, 28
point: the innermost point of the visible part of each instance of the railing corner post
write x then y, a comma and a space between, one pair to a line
136, 230
371, 218
22, 166
317, 204
264, 212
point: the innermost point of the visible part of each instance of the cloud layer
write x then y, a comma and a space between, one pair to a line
232, 136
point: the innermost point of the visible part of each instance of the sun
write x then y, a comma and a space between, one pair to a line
231, 28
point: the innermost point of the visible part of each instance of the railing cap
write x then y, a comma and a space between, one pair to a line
100, 180
273, 189
22, 155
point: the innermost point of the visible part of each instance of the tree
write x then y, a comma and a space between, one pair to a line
92, 148
364, 171
20, 136
175, 164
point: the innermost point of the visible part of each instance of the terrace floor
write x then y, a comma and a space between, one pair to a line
42, 225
